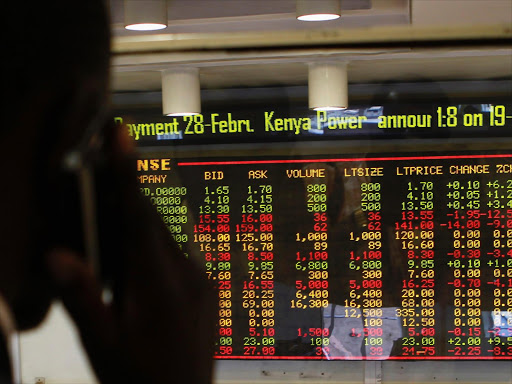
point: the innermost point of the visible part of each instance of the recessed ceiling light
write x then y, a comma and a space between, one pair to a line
146, 27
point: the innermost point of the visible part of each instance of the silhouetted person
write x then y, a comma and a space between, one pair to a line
159, 326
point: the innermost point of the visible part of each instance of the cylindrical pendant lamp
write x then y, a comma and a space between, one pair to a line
328, 86
145, 15
318, 10
181, 92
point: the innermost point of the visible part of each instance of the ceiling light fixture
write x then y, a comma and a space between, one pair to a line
181, 92
145, 15
318, 10
328, 86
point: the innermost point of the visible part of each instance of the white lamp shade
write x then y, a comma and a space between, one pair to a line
318, 10
145, 15
181, 92
328, 86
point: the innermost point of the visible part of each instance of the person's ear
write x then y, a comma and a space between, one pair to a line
68, 113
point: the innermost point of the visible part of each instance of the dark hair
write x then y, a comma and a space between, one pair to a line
58, 43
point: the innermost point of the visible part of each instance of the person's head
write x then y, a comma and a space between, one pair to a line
55, 60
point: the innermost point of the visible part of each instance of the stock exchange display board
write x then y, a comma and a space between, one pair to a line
384, 255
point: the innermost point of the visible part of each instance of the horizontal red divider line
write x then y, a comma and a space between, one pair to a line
298, 161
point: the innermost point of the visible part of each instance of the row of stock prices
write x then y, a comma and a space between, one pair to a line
329, 258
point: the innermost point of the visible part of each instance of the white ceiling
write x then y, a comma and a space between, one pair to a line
136, 69
210, 16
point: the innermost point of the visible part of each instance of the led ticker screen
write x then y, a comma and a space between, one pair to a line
299, 124
348, 258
